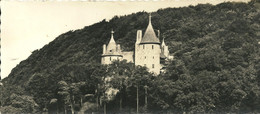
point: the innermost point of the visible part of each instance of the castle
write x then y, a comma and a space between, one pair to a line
149, 51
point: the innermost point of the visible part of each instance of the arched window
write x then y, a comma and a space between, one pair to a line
153, 57
144, 57
110, 59
143, 46
152, 46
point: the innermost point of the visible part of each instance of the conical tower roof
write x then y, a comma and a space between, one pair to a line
163, 43
112, 47
112, 44
149, 35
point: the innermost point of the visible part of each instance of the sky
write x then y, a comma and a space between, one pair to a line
27, 26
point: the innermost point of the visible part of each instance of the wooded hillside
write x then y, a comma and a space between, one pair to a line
216, 66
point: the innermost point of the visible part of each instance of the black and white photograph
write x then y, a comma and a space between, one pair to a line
130, 56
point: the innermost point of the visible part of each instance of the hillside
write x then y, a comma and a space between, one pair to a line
207, 41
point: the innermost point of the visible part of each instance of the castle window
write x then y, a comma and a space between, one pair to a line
144, 57
143, 46
152, 65
153, 57
152, 46
110, 50
110, 58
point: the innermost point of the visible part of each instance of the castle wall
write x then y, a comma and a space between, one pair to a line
147, 50
128, 56
137, 57
137, 54
148, 55
110, 59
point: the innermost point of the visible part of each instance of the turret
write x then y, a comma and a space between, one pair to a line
111, 52
158, 33
149, 35
165, 50
118, 48
138, 36
148, 49
111, 47
104, 48
163, 43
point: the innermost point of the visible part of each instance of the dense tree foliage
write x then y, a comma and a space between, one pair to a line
216, 66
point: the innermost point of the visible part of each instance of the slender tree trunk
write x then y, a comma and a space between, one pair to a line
72, 104
120, 102
145, 97
65, 110
81, 101
137, 99
105, 108
97, 101
121, 91
100, 101
73, 99
57, 106
71, 107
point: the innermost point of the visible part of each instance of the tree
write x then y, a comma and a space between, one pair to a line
65, 95
99, 77
139, 78
21, 104
120, 72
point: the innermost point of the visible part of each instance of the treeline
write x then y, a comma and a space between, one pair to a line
216, 66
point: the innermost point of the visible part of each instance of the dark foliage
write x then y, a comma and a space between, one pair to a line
216, 65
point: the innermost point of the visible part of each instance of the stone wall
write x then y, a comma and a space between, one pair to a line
148, 55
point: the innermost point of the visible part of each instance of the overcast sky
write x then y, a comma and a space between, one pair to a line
27, 26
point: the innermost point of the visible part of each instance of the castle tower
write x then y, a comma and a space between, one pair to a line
165, 49
148, 49
137, 56
111, 52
